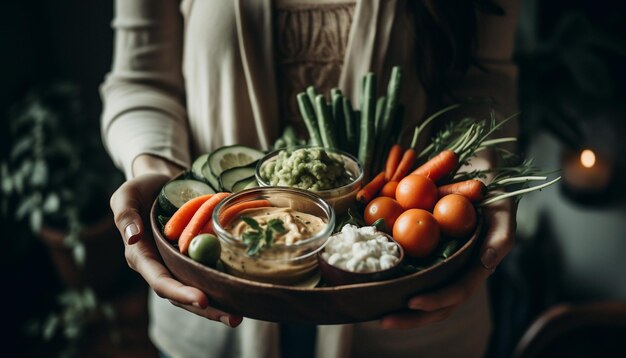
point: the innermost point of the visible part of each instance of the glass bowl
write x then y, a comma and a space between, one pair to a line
280, 263
341, 198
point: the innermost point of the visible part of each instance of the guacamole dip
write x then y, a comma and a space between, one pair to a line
306, 168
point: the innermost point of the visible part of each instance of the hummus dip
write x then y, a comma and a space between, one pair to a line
298, 226
281, 263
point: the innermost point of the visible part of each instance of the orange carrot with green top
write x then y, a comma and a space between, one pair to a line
370, 190
198, 221
406, 163
229, 214
393, 160
176, 224
474, 190
439, 166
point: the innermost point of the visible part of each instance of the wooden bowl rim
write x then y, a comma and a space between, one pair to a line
399, 280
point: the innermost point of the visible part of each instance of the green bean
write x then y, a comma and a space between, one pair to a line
350, 120
339, 121
388, 116
312, 93
366, 137
308, 115
380, 107
324, 121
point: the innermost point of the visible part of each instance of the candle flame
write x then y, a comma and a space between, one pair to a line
587, 158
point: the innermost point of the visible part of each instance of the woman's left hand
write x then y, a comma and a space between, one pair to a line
437, 305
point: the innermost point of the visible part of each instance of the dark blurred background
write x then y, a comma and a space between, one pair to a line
571, 238
66, 296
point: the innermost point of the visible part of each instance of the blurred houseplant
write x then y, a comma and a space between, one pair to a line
56, 180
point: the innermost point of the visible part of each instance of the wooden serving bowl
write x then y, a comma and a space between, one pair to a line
324, 305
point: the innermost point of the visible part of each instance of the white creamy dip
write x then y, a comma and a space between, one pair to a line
361, 250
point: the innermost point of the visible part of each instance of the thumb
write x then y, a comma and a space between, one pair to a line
126, 213
500, 236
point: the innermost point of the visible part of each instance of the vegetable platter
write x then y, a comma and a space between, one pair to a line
249, 227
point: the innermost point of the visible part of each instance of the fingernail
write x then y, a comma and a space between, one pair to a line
132, 233
225, 320
196, 304
489, 259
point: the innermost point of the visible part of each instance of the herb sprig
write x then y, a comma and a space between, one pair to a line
259, 238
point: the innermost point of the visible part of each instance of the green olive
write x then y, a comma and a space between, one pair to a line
206, 249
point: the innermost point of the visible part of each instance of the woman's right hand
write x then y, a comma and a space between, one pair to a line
131, 205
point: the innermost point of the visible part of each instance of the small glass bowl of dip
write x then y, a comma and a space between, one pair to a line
281, 263
341, 198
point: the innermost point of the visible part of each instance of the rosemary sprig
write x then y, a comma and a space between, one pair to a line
259, 238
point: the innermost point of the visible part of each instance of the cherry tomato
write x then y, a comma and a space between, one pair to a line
456, 216
417, 231
416, 192
382, 207
389, 190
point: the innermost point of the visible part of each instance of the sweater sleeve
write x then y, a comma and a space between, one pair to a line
143, 95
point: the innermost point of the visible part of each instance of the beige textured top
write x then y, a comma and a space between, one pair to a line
311, 42
189, 76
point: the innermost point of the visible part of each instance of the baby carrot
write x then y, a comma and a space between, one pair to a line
182, 216
474, 190
198, 221
393, 159
208, 228
227, 215
389, 189
406, 163
368, 192
439, 166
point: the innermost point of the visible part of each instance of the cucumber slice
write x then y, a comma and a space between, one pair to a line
246, 183
231, 176
196, 166
208, 176
177, 192
232, 156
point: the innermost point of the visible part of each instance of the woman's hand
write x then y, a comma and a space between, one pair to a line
131, 205
437, 305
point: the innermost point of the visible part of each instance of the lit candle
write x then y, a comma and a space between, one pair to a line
586, 170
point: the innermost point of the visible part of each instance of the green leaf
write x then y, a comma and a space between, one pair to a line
7, 182
39, 176
250, 237
25, 206
79, 253
36, 218
50, 327
89, 298
380, 225
276, 225
51, 204
268, 238
251, 222
108, 311
22, 145
450, 249
263, 237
